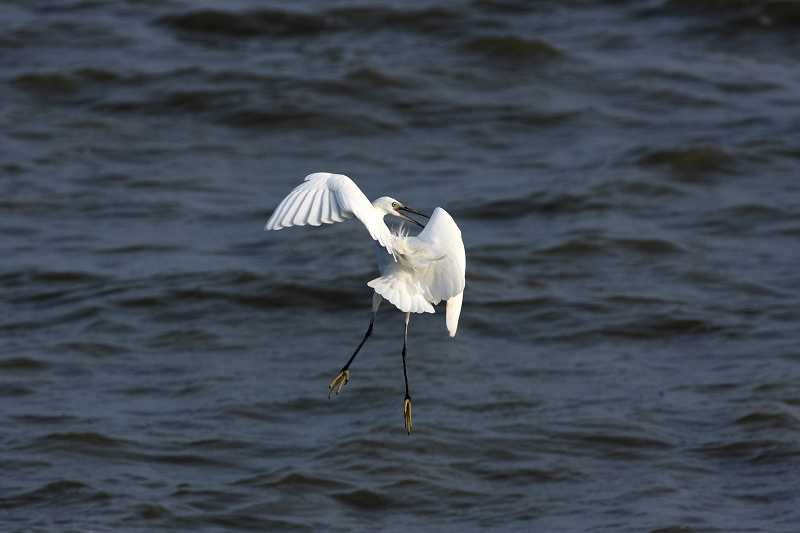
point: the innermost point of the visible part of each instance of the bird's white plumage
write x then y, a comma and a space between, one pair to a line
430, 268
325, 198
420, 272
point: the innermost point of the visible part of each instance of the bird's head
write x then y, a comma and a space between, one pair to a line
390, 206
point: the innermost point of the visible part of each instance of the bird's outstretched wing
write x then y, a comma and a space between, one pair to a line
444, 278
325, 198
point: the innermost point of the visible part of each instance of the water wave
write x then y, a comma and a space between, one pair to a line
296, 24
624, 175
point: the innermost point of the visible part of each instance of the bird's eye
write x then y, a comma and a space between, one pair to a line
395, 205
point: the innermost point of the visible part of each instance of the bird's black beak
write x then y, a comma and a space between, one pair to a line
409, 210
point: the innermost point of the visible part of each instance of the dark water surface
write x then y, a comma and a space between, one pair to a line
627, 179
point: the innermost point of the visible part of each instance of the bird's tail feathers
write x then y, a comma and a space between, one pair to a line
400, 294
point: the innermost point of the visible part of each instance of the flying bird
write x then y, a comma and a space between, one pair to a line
416, 272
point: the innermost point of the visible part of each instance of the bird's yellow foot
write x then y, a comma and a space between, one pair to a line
340, 380
407, 413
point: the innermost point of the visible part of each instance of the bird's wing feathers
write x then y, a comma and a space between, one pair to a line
444, 278
325, 198
312, 202
453, 312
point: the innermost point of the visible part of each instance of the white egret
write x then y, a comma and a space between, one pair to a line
416, 272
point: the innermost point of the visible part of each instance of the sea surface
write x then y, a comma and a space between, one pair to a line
626, 175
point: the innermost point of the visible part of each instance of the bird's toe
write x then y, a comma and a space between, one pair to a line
407, 414
340, 381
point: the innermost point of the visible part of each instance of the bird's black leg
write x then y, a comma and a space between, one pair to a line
407, 403
344, 376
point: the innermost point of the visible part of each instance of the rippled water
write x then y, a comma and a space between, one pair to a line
626, 177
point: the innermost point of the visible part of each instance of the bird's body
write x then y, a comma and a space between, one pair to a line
428, 268
417, 272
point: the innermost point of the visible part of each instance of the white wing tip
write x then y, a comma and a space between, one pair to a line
453, 313
273, 225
